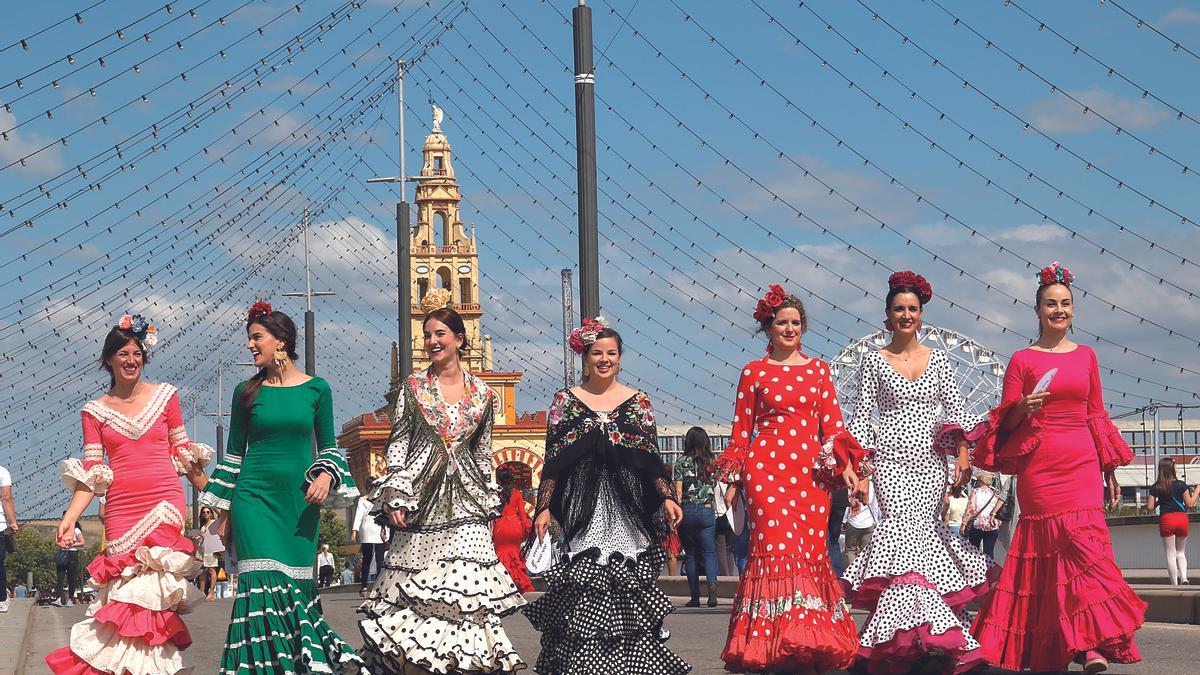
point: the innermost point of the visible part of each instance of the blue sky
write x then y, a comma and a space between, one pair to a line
742, 143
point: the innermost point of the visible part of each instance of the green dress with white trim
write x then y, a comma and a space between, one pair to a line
277, 625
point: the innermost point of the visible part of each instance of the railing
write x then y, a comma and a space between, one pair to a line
452, 249
459, 306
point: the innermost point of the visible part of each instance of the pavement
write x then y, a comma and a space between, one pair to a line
698, 635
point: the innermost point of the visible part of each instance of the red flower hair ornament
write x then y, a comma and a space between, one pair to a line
910, 279
260, 308
583, 337
1055, 273
771, 302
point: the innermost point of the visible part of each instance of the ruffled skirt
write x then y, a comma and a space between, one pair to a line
789, 615
1060, 593
134, 626
277, 626
604, 617
437, 603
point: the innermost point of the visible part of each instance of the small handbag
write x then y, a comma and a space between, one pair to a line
10, 541
541, 555
62, 557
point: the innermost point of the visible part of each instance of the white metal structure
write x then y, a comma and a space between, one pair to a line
977, 369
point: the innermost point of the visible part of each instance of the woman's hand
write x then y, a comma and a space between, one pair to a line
1032, 403
1114, 490
398, 518
541, 524
962, 468
197, 477
851, 478
66, 534
673, 513
730, 496
318, 490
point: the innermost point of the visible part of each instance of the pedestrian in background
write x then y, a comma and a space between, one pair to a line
1173, 498
8, 528
368, 534
860, 520
325, 567
66, 567
212, 547
979, 520
953, 508
695, 485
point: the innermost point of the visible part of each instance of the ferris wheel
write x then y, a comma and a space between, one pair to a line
978, 371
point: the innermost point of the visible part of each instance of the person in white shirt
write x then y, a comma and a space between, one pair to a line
347, 577
369, 535
860, 522
9, 527
325, 564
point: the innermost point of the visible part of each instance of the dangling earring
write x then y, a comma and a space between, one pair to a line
280, 358
920, 325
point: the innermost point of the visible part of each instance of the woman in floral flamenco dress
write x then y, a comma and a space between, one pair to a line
269, 493
915, 577
788, 450
142, 573
604, 482
436, 605
1061, 596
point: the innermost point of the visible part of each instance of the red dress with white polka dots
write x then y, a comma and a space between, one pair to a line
788, 448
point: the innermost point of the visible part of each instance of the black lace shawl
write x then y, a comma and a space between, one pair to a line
587, 452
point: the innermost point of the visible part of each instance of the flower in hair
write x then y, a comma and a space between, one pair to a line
586, 335
437, 298
125, 322
143, 330
910, 279
260, 308
771, 302
1055, 273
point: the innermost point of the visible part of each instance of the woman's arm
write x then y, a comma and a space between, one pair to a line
1151, 503
1191, 496
679, 491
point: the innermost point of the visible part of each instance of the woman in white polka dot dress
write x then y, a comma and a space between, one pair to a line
915, 576
789, 450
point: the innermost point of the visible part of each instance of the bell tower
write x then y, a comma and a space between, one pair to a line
444, 254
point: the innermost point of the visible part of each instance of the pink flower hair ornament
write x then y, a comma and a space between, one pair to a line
1055, 273
586, 335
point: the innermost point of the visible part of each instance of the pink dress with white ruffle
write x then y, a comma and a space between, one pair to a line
142, 574
1060, 592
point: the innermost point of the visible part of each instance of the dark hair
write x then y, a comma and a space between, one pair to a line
1166, 477
1037, 301
897, 290
282, 328
114, 342
697, 446
608, 333
507, 480
454, 322
764, 325
205, 519
956, 489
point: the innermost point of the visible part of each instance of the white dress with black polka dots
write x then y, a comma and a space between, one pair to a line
916, 576
789, 613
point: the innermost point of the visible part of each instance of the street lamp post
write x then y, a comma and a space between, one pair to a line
310, 340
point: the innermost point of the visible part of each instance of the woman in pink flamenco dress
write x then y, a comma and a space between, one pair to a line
1061, 596
134, 626
789, 451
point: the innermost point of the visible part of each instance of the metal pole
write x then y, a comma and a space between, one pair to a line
403, 248
585, 146
310, 341
220, 415
1157, 434
195, 492
568, 322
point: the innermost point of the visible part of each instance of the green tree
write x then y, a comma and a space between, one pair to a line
333, 532
34, 553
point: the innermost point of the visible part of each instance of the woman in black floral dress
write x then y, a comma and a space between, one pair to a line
604, 482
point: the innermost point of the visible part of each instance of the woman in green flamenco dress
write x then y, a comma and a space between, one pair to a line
270, 493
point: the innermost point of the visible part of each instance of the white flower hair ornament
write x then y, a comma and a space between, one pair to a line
143, 330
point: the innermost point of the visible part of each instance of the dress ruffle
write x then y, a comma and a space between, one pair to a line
394, 491
1005, 451
837, 452
134, 624
96, 478
971, 427
343, 493
729, 467
789, 615
277, 626
1061, 586
192, 454
603, 617
1110, 445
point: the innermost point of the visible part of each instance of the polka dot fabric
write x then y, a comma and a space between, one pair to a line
916, 575
788, 613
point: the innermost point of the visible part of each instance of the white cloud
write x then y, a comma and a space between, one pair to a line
1180, 16
1058, 114
1032, 233
21, 143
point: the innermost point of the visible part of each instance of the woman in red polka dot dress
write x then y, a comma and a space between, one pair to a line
789, 449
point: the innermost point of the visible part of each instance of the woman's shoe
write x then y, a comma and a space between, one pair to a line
712, 596
694, 602
1093, 662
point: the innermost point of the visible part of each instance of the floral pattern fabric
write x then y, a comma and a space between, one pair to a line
697, 488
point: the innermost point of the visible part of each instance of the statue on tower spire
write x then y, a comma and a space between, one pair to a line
437, 118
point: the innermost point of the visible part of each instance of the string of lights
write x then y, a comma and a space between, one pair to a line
1176, 45
23, 43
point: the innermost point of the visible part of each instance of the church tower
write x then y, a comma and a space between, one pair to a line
444, 254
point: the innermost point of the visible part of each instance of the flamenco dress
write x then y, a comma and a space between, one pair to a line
1060, 593
509, 533
436, 605
788, 448
276, 623
143, 570
916, 576
604, 483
